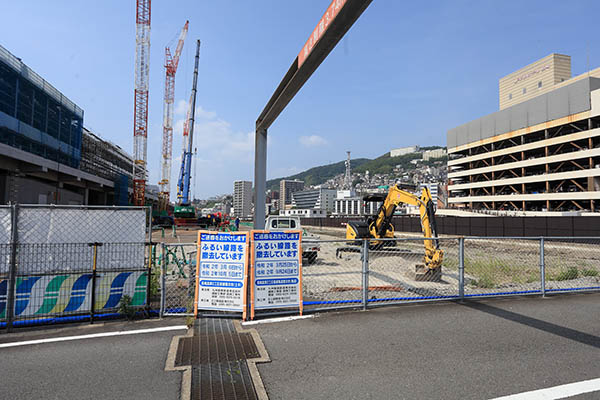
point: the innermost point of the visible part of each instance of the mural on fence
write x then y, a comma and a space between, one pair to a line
71, 293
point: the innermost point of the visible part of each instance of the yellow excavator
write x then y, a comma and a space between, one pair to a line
380, 227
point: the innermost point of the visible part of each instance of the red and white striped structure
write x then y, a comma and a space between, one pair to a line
171, 63
140, 119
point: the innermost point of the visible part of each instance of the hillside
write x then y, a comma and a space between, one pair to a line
318, 175
381, 165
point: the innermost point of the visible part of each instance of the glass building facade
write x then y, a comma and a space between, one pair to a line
35, 117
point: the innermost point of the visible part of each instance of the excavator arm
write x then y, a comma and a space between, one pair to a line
381, 227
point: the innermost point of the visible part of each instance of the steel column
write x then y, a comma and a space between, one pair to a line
12, 274
461, 268
542, 267
260, 177
365, 274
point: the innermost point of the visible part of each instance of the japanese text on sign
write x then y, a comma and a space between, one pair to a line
326, 20
276, 269
221, 271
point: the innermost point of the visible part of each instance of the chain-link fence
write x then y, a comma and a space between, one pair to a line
177, 262
338, 274
499, 266
571, 264
73, 263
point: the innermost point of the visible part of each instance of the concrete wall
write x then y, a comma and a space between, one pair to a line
568, 100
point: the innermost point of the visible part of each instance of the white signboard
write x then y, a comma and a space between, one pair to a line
277, 270
221, 273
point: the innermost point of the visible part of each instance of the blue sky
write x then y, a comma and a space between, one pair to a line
404, 74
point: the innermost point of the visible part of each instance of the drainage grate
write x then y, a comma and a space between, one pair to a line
215, 348
225, 380
217, 354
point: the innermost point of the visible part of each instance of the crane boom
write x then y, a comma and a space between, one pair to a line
140, 110
183, 185
171, 63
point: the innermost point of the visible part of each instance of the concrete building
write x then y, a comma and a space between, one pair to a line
286, 188
435, 153
533, 80
46, 155
349, 202
322, 199
403, 150
542, 154
242, 199
304, 212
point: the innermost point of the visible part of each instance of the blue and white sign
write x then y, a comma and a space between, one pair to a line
277, 277
222, 260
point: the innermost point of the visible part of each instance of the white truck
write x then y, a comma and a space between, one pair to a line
310, 242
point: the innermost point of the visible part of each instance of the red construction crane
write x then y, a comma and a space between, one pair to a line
171, 63
140, 110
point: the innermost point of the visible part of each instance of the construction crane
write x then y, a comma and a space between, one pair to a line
140, 110
184, 213
171, 62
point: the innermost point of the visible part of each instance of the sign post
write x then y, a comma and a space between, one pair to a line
277, 270
221, 272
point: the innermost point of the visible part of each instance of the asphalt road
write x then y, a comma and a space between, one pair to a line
448, 351
118, 367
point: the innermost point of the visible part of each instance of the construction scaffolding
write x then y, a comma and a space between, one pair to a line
107, 160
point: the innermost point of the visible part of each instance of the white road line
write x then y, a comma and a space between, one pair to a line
557, 392
93, 335
280, 319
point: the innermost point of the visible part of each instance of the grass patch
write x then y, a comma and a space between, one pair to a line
485, 282
568, 274
590, 272
490, 272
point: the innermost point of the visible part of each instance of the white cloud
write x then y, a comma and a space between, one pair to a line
224, 154
312, 141
181, 109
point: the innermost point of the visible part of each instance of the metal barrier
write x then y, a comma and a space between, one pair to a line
73, 263
177, 263
354, 274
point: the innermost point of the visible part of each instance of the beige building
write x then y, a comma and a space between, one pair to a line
435, 153
403, 150
542, 153
533, 80
286, 188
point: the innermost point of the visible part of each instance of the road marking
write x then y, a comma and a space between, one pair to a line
93, 335
280, 319
557, 392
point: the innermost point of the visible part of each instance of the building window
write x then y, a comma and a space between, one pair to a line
510, 96
539, 84
524, 90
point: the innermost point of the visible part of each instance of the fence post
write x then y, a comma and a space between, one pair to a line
542, 267
461, 268
163, 280
149, 278
93, 294
12, 274
365, 274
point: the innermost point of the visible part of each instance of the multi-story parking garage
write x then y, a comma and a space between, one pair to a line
540, 155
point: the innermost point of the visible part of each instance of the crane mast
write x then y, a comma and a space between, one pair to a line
183, 185
171, 63
140, 111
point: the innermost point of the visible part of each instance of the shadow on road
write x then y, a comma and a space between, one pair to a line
549, 327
